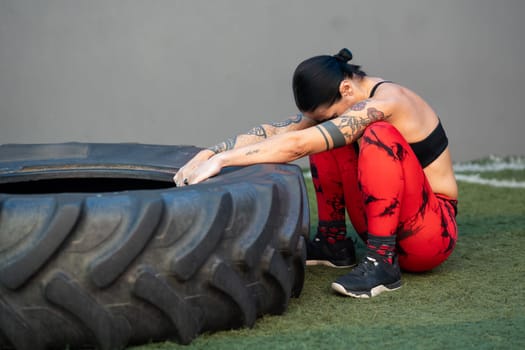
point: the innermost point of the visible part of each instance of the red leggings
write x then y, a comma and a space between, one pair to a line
386, 193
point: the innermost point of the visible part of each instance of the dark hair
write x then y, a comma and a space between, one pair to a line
316, 80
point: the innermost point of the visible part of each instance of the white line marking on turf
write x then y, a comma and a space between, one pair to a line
492, 163
476, 179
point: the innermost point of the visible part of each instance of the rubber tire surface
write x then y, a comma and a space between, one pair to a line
116, 268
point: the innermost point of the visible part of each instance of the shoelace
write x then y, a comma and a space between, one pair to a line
367, 264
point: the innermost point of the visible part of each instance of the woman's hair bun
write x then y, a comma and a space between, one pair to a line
344, 55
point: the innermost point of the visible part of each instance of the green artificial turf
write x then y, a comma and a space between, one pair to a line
475, 300
508, 174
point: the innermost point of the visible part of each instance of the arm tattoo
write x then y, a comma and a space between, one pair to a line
224, 146
353, 127
258, 131
324, 135
338, 138
253, 151
288, 121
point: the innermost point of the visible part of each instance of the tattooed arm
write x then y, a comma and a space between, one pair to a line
253, 136
350, 126
286, 147
262, 132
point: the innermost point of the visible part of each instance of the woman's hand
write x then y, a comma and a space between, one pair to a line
182, 176
204, 170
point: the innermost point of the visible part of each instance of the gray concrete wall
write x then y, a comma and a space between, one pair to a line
196, 72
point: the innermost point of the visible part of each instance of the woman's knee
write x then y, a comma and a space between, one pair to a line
381, 129
382, 139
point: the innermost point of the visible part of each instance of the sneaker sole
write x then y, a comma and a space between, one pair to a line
366, 294
327, 263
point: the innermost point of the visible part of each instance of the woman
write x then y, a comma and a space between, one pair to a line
385, 150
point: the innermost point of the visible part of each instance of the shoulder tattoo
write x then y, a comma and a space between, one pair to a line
359, 106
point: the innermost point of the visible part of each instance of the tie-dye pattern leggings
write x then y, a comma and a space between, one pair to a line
385, 192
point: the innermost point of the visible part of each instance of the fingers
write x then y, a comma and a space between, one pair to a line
185, 175
181, 179
182, 182
196, 172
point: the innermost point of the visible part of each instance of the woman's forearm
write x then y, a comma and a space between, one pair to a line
262, 132
277, 149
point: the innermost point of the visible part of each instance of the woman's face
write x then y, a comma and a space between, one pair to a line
324, 113
327, 112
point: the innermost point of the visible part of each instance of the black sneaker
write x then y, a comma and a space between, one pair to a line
372, 276
339, 254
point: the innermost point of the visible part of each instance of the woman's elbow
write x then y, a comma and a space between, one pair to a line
295, 147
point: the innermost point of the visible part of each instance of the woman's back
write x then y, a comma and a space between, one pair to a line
415, 120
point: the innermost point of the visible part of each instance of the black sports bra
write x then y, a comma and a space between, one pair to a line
431, 147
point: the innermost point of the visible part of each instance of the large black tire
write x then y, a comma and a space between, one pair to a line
98, 248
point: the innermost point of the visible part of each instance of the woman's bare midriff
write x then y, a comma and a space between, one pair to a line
440, 175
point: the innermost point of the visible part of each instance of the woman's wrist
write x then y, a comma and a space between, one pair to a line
219, 159
206, 153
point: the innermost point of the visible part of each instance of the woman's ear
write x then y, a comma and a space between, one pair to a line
345, 88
